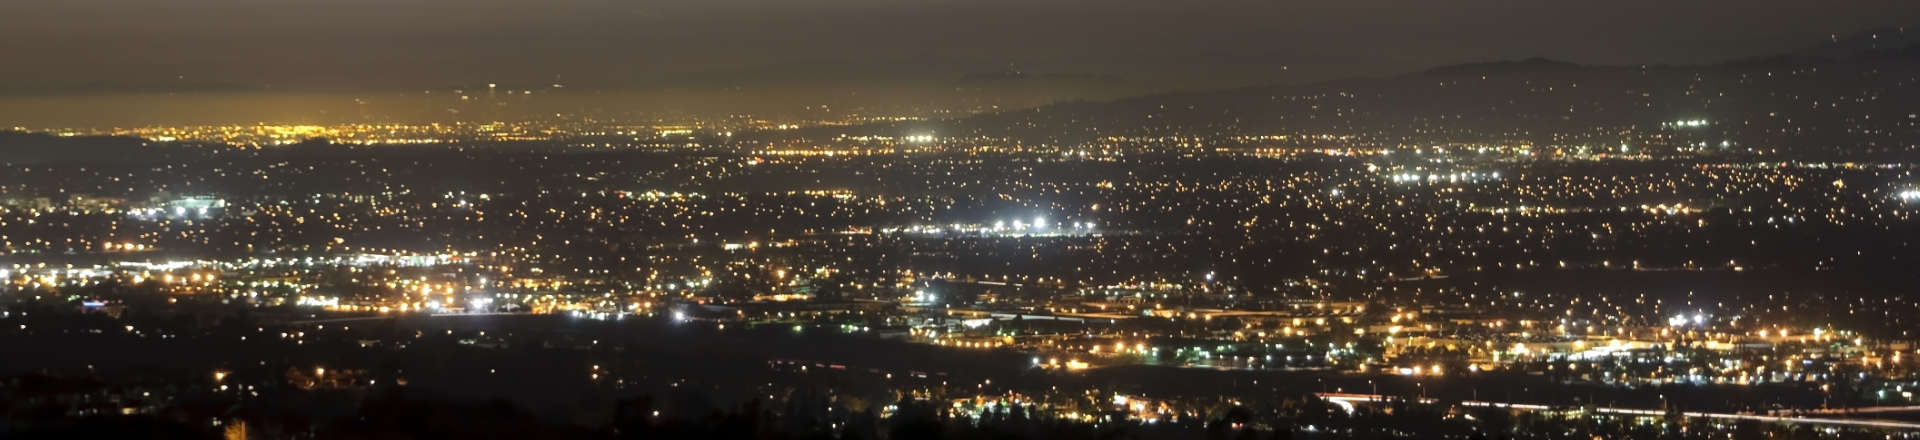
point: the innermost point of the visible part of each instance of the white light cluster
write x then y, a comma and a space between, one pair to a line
1682, 320
1038, 226
317, 301
176, 212
1449, 177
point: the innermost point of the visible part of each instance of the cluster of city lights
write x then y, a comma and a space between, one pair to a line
175, 212
1683, 320
1038, 226
1449, 177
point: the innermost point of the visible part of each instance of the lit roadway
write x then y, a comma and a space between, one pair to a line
1347, 401
1864, 409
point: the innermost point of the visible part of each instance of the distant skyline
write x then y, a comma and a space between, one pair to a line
844, 48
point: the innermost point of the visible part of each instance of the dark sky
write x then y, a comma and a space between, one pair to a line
342, 45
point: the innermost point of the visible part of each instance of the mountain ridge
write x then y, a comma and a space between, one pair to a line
1853, 95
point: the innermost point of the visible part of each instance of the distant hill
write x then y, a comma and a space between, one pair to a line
1859, 93
1866, 46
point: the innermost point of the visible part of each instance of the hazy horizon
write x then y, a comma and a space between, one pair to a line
307, 61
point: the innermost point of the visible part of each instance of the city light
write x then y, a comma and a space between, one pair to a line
1521, 248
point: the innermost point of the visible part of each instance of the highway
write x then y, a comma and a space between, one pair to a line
1349, 401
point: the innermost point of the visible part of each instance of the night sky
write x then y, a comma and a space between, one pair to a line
1130, 46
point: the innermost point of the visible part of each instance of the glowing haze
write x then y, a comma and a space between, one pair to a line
856, 52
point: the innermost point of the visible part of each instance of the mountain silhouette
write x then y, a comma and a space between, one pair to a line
1853, 94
